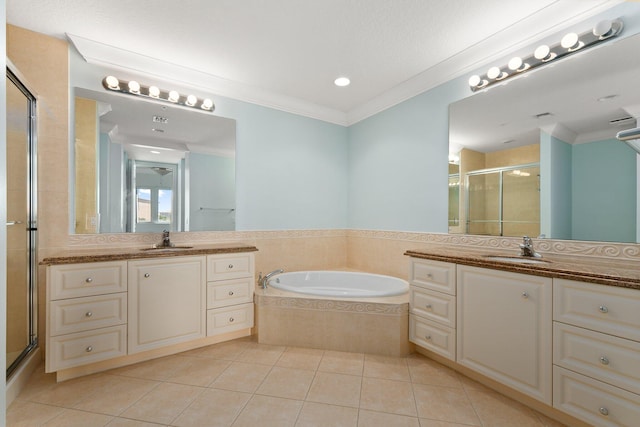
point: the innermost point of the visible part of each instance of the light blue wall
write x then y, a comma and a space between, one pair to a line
398, 167
212, 192
555, 187
604, 196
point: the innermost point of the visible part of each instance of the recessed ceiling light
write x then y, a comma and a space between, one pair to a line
342, 81
157, 130
154, 152
607, 98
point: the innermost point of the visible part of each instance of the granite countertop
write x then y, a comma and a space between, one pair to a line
605, 271
80, 255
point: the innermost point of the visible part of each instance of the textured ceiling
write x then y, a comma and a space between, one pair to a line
294, 49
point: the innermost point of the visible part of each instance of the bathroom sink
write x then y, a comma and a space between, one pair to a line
166, 248
516, 260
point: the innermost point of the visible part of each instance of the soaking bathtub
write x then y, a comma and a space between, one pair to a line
335, 310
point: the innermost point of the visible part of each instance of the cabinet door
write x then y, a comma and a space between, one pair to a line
504, 328
167, 302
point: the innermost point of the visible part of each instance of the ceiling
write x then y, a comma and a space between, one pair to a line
286, 53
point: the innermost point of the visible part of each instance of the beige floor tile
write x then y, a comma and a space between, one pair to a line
163, 404
321, 415
335, 389
424, 422
381, 419
125, 422
27, 414
287, 383
395, 397
37, 383
548, 422
261, 353
497, 410
267, 411
300, 358
68, 393
245, 377
73, 418
117, 395
426, 371
226, 351
213, 408
198, 371
157, 369
390, 368
342, 363
444, 404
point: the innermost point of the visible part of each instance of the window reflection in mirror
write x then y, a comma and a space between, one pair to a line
112, 132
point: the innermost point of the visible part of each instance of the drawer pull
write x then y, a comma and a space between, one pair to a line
525, 295
428, 306
89, 279
147, 275
604, 411
230, 293
230, 266
604, 360
231, 319
88, 314
603, 309
428, 337
89, 349
429, 276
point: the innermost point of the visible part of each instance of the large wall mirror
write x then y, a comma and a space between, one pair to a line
537, 155
142, 166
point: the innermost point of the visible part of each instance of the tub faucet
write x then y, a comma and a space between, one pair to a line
166, 240
262, 280
526, 248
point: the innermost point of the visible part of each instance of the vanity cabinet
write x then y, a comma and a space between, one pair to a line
432, 306
167, 300
596, 352
504, 328
86, 313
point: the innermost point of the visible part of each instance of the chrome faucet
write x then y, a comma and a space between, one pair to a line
166, 240
526, 248
262, 280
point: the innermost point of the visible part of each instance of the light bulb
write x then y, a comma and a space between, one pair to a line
493, 73
112, 83
154, 91
543, 53
570, 41
207, 104
134, 86
342, 81
515, 63
174, 96
191, 100
474, 80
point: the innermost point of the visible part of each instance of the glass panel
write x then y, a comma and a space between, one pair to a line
454, 200
143, 205
165, 206
484, 204
521, 202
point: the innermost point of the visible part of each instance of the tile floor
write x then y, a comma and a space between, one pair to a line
243, 383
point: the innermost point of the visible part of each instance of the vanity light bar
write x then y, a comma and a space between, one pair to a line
173, 97
570, 44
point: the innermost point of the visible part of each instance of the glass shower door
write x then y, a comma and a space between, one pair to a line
21, 224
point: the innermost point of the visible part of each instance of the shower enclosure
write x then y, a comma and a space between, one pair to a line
22, 337
504, 201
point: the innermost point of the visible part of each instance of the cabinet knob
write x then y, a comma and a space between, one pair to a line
429, 276
230, 293
89, 349
604, 360
604, 411
88, 314
230, 266
525, 295
89, 279
231, 319
428, 306
603, 309
147, 275
428, 337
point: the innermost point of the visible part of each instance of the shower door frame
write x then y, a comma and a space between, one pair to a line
18, 80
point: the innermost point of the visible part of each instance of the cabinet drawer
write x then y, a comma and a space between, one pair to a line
229, 292
81, 280
434, 306
607, 309
66, 351
592, 401
432, 336
434, 275
233, 266
82, 314
604, 357
228, 319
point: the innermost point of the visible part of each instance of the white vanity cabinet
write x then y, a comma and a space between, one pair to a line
230, 293
504, 328
596, 352
86, 313
432, 306
167, 300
